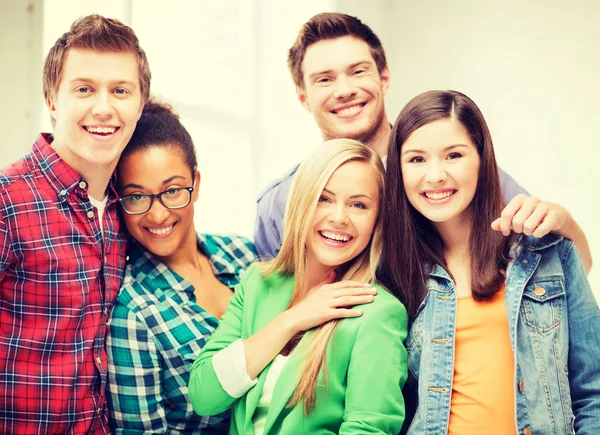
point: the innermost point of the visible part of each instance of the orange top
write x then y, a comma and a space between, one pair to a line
483, 392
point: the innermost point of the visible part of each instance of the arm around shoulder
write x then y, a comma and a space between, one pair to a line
378, 370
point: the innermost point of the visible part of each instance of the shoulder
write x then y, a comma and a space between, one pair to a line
13, 178
278, 190
385, 309
134, 296
232, 249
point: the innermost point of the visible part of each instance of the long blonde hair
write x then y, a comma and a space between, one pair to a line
309, 182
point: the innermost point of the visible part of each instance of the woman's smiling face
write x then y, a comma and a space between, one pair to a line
153, 170
440, 169
345, 216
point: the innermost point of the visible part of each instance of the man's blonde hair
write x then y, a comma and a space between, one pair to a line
94, 32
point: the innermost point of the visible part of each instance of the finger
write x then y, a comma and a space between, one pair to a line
353, 291
342, 313
542, 229
348, 284
496, 225
523, 214
349, 301
505, 219
535, 219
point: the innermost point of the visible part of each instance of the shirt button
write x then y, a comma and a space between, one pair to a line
521, 385
105, 311
82, 184
63, 192
99, 411
99, 360
90, 214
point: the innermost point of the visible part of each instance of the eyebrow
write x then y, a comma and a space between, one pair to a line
354, 65
448, 148
139, 186
362, 195
114, 83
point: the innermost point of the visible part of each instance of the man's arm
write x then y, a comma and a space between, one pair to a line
531, 216
268, 233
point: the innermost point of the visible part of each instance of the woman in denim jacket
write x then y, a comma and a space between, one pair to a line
506, 331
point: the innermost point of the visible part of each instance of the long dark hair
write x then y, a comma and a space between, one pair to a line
411, 244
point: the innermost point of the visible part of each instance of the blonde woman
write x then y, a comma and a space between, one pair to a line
310, 343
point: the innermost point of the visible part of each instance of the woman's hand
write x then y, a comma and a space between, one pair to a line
327, 302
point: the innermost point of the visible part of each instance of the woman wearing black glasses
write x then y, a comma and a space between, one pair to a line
177, 282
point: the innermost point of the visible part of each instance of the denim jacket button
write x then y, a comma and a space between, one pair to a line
527, 431
525, 261
521, 385
539, 291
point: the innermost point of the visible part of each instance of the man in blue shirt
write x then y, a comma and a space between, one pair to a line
340, 71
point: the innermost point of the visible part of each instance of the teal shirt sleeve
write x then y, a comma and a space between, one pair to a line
374, 401
135, 400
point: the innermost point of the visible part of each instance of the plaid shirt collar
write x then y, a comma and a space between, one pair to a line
62, 177
156, 274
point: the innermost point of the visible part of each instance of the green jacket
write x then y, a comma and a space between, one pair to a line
366, 366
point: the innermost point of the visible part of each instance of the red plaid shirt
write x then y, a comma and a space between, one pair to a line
58, 280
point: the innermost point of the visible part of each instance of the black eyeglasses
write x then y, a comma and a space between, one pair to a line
139, 203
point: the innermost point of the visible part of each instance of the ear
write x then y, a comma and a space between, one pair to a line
301, 93
51, 108
385, 79
196, 192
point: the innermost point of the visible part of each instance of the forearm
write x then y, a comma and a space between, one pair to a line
261, 348
571, 230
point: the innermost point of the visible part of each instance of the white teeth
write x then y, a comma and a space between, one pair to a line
439, 195
160, 231
335, 236
349, 110
101, 129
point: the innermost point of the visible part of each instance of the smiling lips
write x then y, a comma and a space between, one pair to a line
337, 239
349, 111
102, 131
163, 231
438, 196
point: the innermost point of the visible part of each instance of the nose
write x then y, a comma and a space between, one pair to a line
436, 174
158, 213
338, 215
344, 88
103, 107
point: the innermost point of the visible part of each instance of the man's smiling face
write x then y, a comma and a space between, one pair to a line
96, 107
343, 89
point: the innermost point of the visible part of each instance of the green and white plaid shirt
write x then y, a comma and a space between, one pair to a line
155, 332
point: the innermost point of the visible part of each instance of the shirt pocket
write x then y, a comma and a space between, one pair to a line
543, 304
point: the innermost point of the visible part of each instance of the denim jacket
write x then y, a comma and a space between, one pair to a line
554, 324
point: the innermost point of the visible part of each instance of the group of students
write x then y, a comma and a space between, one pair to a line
405, 282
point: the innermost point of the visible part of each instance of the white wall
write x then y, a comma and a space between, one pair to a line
20, 77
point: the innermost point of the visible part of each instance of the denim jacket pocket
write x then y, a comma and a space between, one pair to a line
542, 305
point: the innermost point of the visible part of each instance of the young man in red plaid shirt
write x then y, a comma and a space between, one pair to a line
62, 251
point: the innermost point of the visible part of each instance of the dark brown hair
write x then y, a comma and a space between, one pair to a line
159, 126
411, 244
330, 25
94, 32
